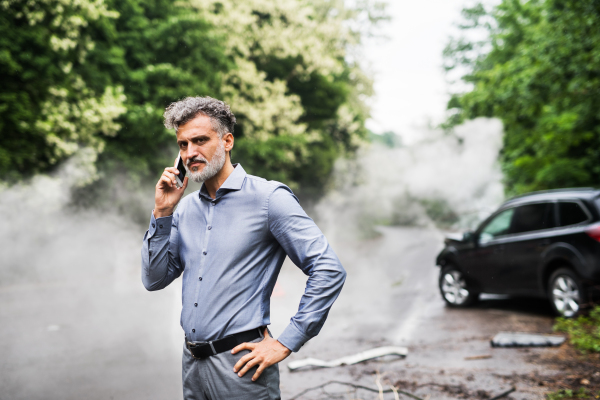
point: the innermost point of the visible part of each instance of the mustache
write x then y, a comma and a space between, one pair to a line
196, 159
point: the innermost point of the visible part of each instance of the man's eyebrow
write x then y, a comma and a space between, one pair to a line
201, 136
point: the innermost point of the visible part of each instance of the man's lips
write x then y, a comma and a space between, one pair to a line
196, 164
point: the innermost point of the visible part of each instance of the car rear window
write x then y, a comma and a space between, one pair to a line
533, 217
571, 213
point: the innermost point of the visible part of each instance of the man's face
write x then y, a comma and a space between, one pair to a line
201, 149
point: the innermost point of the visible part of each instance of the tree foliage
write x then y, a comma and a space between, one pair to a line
47, 109
538, 71
97, 74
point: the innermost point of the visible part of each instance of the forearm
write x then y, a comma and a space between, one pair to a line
308, 248
323, 286
159, 267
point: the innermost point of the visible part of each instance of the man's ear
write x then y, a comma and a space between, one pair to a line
229, 140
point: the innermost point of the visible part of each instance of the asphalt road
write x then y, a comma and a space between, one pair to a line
97, 334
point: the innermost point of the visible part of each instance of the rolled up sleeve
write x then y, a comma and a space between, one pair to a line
308, 248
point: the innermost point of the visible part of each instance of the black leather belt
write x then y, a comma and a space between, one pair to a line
201, 350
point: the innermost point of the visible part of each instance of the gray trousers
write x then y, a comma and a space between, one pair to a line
213, 378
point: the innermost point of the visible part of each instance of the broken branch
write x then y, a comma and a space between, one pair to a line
395, 390
501, 395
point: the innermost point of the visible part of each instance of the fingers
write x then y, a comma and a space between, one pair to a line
243, 346
165, 181
243, 361
252, 363
168, 177
185, 183
259, 371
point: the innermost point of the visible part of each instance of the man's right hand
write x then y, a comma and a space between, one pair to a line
167, 194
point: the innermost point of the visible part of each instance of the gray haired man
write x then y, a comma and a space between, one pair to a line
229, 241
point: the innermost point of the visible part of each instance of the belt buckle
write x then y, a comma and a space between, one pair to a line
193, 345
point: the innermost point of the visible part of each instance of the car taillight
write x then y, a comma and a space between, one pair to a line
594, 232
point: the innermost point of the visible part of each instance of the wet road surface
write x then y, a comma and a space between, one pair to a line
107, 338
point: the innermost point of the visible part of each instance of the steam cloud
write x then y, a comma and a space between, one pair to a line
70, 279
450, 181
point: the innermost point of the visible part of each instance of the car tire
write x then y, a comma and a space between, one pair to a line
566, 293
454, 288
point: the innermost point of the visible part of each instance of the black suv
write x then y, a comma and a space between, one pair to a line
543, 244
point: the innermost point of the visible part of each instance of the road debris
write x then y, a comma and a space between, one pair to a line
379, 390
504, 394
349, 360
520, 339
481, 357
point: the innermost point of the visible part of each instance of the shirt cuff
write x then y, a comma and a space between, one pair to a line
292, 338
160, 226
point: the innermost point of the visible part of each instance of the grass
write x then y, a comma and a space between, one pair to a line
584, 335
565, 394
584, 331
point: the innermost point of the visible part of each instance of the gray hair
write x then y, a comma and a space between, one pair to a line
185, 110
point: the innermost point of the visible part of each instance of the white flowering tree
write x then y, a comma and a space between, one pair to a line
97, 74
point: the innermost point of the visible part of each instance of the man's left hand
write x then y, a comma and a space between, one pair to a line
264, 354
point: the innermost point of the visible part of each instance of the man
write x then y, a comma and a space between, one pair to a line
229, 240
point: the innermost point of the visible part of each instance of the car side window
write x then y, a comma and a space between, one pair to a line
571, 213
533, 217
498, 226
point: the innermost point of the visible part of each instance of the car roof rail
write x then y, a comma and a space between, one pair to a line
580, 189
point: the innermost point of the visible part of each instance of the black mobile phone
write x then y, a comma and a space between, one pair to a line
181, 169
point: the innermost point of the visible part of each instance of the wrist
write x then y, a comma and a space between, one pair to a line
159, 213
284, 349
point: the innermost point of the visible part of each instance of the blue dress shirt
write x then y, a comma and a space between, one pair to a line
230, 250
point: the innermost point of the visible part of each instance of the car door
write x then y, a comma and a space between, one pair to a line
482, 263
530, 234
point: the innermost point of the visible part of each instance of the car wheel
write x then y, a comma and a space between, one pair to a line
454, 288
566, 292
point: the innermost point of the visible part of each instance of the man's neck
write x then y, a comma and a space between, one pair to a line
213, 184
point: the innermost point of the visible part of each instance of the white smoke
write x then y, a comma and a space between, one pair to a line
46, 241
450, 180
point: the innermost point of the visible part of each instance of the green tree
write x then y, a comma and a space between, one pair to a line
97, 74
296, 91
537, 71
47, 109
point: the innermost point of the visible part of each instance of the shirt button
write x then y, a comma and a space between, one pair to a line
195, 304
193, 330
153, 225
150, 252
213, 203
199, 278
204, 252
209, 227
160, 226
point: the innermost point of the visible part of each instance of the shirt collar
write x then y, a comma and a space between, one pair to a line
233, 182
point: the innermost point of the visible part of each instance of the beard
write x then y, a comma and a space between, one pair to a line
211, 168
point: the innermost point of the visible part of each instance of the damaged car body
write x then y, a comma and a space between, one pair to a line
543, 244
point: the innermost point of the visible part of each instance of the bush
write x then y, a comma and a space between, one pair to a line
584, 331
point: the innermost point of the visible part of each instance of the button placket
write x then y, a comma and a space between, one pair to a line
208, 209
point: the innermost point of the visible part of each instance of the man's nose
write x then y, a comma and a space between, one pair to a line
191, 152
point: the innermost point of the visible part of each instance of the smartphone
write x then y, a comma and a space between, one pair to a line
181, 169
